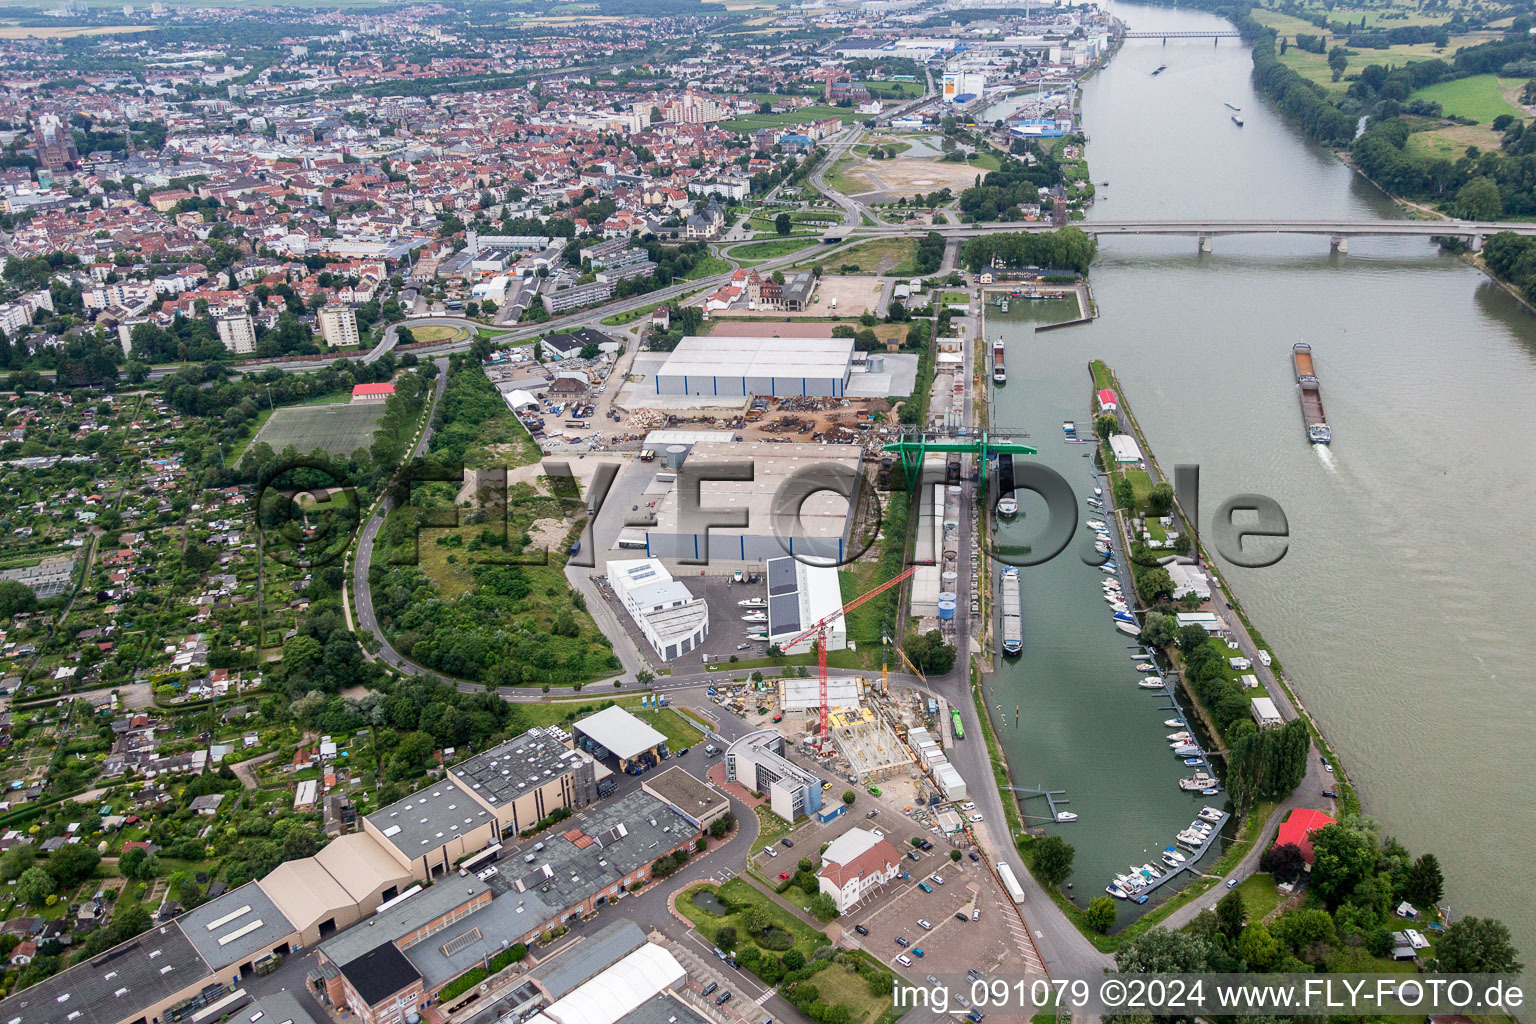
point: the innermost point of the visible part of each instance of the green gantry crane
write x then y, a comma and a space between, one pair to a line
911, 449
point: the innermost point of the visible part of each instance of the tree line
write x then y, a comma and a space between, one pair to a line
1065, 249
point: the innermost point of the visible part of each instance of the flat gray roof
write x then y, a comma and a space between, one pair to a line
738, 356
240, 924
428, 818
130, 976
616, 838
662, 1009
520, 765
472, 939
686, 793
576, 966
621, 732
403, 918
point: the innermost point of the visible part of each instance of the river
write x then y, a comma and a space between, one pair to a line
1397, 610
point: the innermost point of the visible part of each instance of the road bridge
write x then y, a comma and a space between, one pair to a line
1165, 36
1338, 232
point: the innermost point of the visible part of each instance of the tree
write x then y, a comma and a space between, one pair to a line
1424, 884
1153, 583
1105, 424
1158, 630
1479, 199
725, 937
1258, 947
783, 224
34, 886
645, 677
824, 908
756, 920
73, 863
1474, 945
954, 855
1192, 638
1100, 915
1231, 915
1284, 863
1342, 857
16, 597
849, 796
1160, 498
1338, 60
1051, 859
1125, 494
1161, 951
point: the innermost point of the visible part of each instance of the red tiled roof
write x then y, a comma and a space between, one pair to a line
361, 390
879, 857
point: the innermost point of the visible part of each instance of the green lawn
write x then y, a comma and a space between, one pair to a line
741, 895
1480, 97
771, 248
886, 255
1259, 896
752, 122
707, 267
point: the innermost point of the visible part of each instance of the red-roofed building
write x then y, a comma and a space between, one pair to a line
1297, 829
855, 863
372, 392
1108, 402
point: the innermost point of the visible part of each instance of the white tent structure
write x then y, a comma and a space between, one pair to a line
618, 991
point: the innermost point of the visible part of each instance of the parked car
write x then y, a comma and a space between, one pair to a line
925, 887
975, 913
786, 842
937, 878
1330, 794
871, 814
710, 988
926, 926
904, 960
861, 929
722, 998
961, 917
973, 856
901, 940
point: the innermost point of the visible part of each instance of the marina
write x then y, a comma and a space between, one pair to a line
1192, 844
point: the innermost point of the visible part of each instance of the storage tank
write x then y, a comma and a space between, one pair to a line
951, 580
949, 595
674, 455
875, 362
946, 610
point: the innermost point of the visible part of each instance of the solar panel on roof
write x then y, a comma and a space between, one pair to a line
782, 578
784, 613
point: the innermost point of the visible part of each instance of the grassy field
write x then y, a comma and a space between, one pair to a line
1481, 97
1259, 896
339, 427
435, 332
707, 267
841, 177
752, 122
28, 32
1451, 142
678, 730
740, 895
885, 255
770, 248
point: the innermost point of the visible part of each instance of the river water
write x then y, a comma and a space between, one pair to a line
1399, 610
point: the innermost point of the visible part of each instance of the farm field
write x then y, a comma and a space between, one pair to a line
1481, 97
339, 428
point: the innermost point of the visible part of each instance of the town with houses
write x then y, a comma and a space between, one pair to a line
361, 654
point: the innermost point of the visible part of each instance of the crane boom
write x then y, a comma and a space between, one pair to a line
819, 631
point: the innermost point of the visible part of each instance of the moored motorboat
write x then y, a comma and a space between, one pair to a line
1146, 666
1173, 723
1065, 816
1174, 855
753, 602
1191, 762
1150, 684
1182, 736
1129, 629
1210, 814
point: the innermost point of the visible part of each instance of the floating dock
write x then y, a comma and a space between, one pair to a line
1192, 859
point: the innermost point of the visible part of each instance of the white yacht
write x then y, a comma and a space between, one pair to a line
1094, 524
1131, 629
753, 602
1148, 684
1065, 816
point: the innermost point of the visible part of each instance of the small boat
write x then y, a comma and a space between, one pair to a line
1002, 307
1126, 616
1172, 854
1118, 893
1180, 737
1098, 492
1146, 666
1065, 816
1210, 792
1211, 815
1173, 723
753, 602
755, 617
1008, 508
1185, 749
1095, 524
1237, 120
1151, 684
1128, 628
1171, 862
1233, 106
1193, 762
1068, 427
1197, 783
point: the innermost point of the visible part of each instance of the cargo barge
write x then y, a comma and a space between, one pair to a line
999, 371
1013, 621
1312, 416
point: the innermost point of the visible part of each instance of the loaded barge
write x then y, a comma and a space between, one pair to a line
1312, 415
1013, 622
999, 371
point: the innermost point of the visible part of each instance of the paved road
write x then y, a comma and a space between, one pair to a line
852, 210
362, 595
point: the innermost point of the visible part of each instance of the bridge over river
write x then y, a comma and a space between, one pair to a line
1338, 232
1165, 36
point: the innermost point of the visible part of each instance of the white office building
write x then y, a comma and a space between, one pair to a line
238, 333
670, 618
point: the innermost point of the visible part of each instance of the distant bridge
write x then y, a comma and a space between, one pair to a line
1228, 34
1338, 232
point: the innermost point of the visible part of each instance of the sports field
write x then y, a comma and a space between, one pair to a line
339, 428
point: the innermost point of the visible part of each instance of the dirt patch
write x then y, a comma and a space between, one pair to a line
910, 176
547, 534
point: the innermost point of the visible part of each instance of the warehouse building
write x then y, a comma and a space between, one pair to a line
698, 802
617, 733
799, 596
670, 618
771, 520
732, 366
529, 777
757, 761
